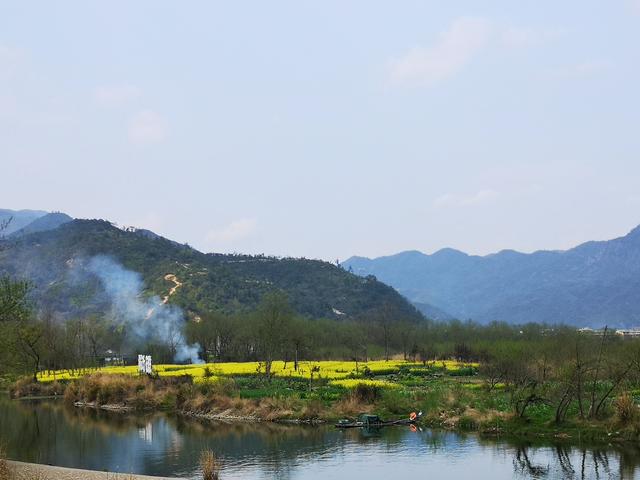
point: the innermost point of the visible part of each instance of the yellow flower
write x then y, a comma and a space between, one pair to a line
331, 370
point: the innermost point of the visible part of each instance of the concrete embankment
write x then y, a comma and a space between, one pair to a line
27, 471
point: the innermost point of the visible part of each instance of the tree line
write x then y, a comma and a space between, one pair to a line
537, 364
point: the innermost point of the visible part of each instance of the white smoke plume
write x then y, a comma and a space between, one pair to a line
147, 318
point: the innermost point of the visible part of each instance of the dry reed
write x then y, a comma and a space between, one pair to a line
209, 466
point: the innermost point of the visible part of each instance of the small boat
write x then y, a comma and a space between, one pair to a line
366, 420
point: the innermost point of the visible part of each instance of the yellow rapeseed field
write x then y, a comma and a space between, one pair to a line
354, 382
339, 372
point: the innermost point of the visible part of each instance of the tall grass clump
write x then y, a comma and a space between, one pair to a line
366, 393
397, 402
626, 409
140, 393
27, 387
209, 466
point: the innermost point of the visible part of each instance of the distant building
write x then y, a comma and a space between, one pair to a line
632, 332
590, 331
112, 358
627, 333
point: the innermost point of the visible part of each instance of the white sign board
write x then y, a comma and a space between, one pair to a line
144, 364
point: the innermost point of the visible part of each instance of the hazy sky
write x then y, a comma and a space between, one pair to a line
330, 128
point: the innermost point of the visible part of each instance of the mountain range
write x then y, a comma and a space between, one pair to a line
594, 284
53, 251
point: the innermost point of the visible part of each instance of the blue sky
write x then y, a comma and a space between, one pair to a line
327, 129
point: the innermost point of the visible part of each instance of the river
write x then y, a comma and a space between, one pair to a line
49, 432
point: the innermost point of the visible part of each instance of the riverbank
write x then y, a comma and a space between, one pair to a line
452, 396
34, 471
164, 444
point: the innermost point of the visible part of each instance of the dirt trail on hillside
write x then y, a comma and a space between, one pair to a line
170, 277
177, 284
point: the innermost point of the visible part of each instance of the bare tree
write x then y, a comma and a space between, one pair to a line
14, 299
29, 336
273, 318
384, 321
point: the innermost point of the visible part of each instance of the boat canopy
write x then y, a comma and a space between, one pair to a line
368, 419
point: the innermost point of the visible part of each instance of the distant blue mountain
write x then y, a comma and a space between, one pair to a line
49, 221
434, 313
593, 284
17, 219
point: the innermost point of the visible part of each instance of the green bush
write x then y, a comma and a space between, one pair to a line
467, 423
398, 402
464, 372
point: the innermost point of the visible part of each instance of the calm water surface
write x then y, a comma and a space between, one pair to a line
158, 444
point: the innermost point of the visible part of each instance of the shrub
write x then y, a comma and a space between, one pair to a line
397, 402
464, 372
103, 389
27, 387
219, 386
71, 394
209, 466
312, 409
626, 409
277, 408
366, 393
468, 423
183, 394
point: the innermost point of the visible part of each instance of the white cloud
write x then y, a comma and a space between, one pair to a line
465, 200
116, 95
455, 48
236, 230
147, 127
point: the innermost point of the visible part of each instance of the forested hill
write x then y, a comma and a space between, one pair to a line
54, 261
594, 284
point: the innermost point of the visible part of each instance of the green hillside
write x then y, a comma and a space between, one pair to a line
54, 261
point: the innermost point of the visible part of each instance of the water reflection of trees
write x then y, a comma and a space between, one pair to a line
275, 448
168, 444
524, 465
566, 461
